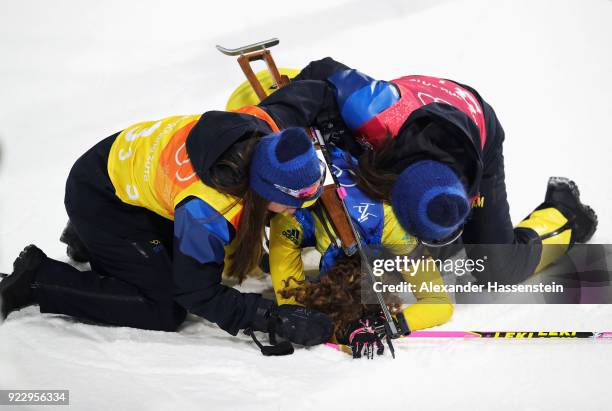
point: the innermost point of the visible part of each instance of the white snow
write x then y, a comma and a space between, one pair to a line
73, 72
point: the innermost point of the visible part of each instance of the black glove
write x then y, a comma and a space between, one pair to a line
299, 325
364, 337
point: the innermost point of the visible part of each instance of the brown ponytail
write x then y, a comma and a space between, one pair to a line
230, 175
373, 172
249, 236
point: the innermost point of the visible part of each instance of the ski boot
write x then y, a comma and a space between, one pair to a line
16, 289
563, 194
75, 249
560, 221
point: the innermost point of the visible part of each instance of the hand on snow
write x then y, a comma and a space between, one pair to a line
301, 325
297, 324
364, 338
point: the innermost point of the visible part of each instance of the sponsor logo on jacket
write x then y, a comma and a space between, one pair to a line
293, 235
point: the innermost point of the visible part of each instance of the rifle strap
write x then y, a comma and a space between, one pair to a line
338, 219
320, 212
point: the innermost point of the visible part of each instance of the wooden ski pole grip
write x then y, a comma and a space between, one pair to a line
338, 219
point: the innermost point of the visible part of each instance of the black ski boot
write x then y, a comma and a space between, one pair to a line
16, 289
75, 249
563, 194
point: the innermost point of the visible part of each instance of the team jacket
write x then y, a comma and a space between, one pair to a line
377, 225
161, 166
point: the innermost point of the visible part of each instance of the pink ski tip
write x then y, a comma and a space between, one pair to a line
341, 192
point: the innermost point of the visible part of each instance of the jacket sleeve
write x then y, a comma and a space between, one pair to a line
431, 308
286, 236
320, 69
200, 235
308, 99
300, 103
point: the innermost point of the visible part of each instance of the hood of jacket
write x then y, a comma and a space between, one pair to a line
218, 134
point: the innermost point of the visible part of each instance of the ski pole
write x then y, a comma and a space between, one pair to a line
509, 334
515, 335
391, 328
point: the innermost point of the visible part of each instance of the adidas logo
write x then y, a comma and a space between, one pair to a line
293, 235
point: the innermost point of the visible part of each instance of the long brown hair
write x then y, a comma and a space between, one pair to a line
338, 294
230, 176
373, 171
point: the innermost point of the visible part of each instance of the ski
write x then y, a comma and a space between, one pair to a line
516, 335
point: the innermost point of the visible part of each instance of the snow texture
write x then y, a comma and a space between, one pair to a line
74, 72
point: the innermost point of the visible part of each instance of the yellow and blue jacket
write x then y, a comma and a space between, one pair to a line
157, 165
377, 225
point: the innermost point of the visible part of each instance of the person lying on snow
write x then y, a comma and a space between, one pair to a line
410, 132
336, 289
162, 210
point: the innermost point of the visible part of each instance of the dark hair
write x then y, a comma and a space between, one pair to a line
230, 175
338, 294
374, 171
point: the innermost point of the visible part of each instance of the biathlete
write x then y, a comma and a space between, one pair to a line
336, 289
415, 131
162, 210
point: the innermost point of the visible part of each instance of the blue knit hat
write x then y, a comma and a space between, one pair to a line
287, 159
429, 200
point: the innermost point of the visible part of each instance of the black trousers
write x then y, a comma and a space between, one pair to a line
130, 282
511, 254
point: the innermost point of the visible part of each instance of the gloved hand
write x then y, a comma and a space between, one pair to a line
367, 334
303, 326
364, 337
299, 325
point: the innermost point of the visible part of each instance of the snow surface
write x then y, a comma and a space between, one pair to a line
73, 72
